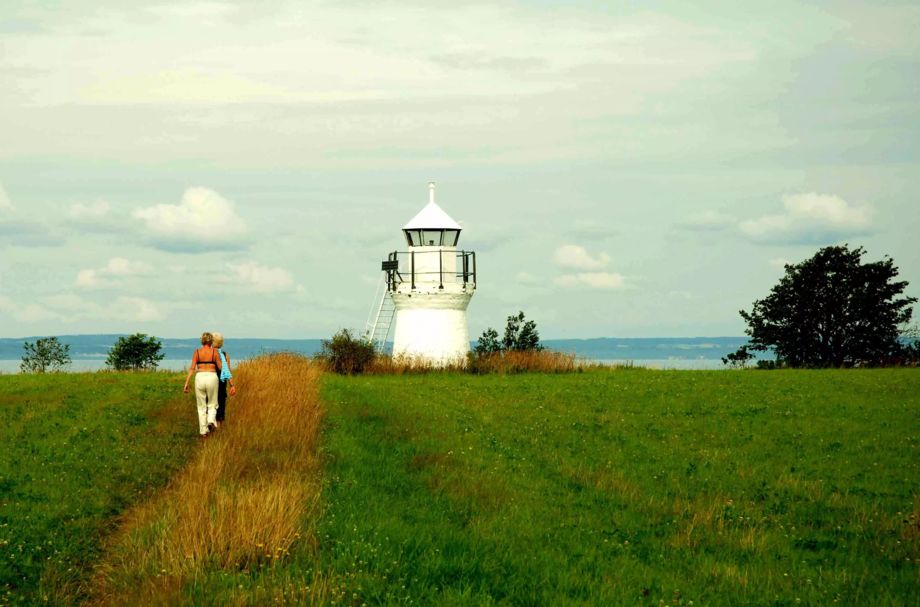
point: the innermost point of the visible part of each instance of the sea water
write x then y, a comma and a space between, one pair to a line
88, 352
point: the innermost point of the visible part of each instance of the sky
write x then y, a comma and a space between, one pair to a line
621, 169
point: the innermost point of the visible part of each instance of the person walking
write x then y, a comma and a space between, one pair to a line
225, 380
207, 364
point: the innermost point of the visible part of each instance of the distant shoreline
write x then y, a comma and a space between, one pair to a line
90, 351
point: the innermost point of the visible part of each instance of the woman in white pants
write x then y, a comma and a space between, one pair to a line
206, 362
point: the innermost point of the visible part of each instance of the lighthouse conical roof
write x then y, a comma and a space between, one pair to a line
432, 217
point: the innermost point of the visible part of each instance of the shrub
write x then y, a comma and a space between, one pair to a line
346, 354
136, 352
520, 336
46, 354
739, 358
488, 343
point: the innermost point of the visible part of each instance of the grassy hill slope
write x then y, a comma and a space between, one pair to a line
601, 488
76, 450
631, 487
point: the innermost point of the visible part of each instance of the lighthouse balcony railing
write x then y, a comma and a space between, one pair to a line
435, 269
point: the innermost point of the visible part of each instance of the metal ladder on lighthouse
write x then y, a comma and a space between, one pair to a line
378, 330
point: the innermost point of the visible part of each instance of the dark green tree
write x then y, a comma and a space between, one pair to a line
46, 354
136, 352
832, 310
520, 336
739, 358
488, 342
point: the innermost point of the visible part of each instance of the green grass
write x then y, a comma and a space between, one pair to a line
76, 450
720, 488
628, 487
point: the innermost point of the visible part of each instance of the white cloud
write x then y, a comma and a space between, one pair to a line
193, 10
685, 295
262, 279
709, 221
137, 309
29, 313
29, 233
5, 202
591, 280
202, 220
119, 266
526, 278
779, 262
69, 307
88, 279
90, 211
116, 267
810, 218
574, 256
36, 313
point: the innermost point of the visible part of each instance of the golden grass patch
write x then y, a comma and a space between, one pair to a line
241, 500
532, 361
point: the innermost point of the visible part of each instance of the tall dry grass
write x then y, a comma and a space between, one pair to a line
534, 361
242, 500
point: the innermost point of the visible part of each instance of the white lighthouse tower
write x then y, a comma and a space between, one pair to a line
430, 287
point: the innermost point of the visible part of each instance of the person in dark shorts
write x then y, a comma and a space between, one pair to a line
225, 384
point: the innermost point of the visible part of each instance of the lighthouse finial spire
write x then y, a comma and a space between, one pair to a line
430, 191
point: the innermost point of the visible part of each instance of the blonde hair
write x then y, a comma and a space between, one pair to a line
218, 339
206, 339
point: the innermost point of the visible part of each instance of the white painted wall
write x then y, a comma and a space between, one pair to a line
432, 325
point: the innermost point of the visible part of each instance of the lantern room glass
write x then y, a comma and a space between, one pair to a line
432, 238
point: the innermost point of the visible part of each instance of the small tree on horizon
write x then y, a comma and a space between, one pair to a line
910, 338
488, 342
832, 310
46, 354
136, 352
520, 336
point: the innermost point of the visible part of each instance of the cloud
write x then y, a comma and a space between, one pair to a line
684, 295
779, 262
472, 61
137, 309
29, 313
203, 220
90, 211
709, 221
5, 203
116, 267
591, 280
68, 308
262, 279
526, 278
810, 218
578, 258
574, 256
29, 234
592, 230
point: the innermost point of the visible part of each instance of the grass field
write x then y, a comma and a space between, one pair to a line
627, 487
631, 487
76, 450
